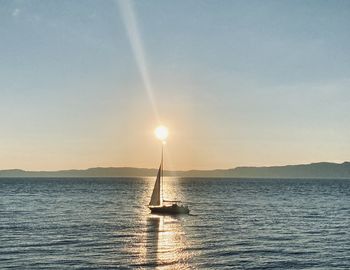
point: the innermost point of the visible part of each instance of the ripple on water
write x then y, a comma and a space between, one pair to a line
236, 224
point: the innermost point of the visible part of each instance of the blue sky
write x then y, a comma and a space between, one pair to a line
237, 82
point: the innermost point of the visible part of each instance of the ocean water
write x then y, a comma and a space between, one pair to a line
234, 224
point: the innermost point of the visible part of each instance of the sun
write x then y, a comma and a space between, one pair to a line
161, 133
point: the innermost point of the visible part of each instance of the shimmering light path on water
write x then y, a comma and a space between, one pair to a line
236, 224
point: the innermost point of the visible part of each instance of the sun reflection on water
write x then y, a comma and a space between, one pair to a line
166, 243
161, 240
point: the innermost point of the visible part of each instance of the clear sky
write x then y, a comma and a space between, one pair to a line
84, 83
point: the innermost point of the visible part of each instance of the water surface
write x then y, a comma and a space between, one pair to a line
235, 224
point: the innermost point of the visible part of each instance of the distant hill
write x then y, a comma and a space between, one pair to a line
313, 170
91, 172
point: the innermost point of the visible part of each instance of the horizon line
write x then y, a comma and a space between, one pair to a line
175, 170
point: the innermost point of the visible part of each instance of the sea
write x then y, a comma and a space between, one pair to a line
104, 223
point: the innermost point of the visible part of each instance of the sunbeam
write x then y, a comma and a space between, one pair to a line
130, 21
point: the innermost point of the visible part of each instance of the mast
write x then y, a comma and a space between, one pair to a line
162, 173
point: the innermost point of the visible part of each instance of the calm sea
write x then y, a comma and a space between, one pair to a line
235, 224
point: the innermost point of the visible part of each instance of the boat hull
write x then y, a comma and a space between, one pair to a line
169, 210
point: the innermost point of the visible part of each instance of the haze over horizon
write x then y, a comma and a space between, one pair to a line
184, 170
238, 83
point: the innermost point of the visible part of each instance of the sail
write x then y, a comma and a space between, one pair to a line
155, 199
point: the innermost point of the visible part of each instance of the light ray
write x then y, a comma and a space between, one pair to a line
130, 21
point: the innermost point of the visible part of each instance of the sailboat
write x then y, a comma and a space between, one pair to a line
160, 206
157, 203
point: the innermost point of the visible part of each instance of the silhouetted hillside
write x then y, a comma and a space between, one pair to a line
313, 170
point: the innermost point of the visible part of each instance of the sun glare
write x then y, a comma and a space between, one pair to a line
161, 133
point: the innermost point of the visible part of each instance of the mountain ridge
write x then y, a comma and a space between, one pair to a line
311, 170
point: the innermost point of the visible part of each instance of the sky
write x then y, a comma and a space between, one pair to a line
238, 83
